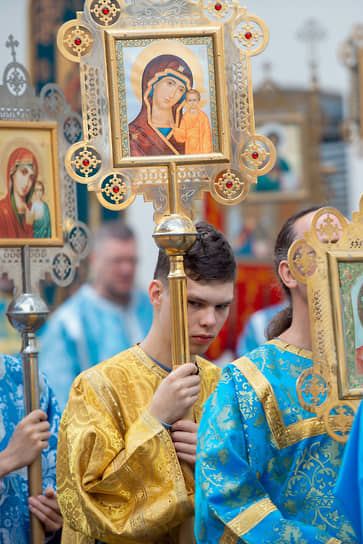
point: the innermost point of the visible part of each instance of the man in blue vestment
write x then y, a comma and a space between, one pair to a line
22, 439
102, 318
266, 468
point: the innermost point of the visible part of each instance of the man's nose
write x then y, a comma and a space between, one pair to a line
209, 317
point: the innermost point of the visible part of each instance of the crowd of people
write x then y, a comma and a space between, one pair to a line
142, 447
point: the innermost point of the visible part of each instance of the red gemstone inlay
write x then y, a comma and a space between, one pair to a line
116, 189
218, 6
248, 35
85, 162
229, 184
105, 11
255, 155
78, 41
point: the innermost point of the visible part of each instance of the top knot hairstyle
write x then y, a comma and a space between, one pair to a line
209, 259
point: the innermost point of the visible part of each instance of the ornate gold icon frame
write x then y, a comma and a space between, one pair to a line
329, 260
346, 276
127, 151
38, 142
148, 47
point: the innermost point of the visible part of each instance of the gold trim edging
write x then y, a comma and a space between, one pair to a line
246, 520
284, 435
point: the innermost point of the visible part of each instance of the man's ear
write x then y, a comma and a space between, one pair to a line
156, 289
286, 275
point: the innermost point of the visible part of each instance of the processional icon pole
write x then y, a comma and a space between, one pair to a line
36, 131
126, 52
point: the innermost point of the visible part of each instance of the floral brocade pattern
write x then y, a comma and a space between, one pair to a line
265, 468
119, 479
14, 510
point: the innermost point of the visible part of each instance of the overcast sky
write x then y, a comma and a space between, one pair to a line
287, 54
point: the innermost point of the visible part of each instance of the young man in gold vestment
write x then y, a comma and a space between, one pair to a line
124, 432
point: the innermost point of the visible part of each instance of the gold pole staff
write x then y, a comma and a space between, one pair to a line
27, 313
175, 233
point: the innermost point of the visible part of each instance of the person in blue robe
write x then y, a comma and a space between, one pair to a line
105, 316
19, 447
266, 468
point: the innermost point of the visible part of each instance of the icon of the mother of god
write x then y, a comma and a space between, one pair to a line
21, 175
165, 80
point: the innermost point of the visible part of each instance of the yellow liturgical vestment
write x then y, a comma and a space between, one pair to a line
118, 476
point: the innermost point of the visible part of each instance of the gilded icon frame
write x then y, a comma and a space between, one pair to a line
291, 130
39, 141
345, 272
123, 46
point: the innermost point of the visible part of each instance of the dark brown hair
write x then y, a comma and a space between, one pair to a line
209, 259
285, 238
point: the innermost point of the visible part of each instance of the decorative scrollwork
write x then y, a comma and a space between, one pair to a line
90, 80
229, 187
74, 40
62, 269
302, 260
115, 191
72, 128
53, 99
257, 156
16, 79
78, 239
83, 162
15, 76
328, 225
250, 35
218, 11
105, 12
240, 103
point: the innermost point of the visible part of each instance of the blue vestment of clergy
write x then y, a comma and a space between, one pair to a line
88, 329
266, 468
14, 511
349, 486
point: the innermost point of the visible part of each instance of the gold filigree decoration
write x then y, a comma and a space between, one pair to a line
74, 40
240, 103
105, 12
83, 162
157, 174
303, 260
93, 118
251, 35
229, 187
220, 11
329, 229
329, 260
115, 191
257, 156
112, 72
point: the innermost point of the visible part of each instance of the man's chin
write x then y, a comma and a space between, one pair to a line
199, 349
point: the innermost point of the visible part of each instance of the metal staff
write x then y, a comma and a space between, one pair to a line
27, 313
176, 234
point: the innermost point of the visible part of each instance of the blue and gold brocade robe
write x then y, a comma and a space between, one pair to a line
266, 468
118, 475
